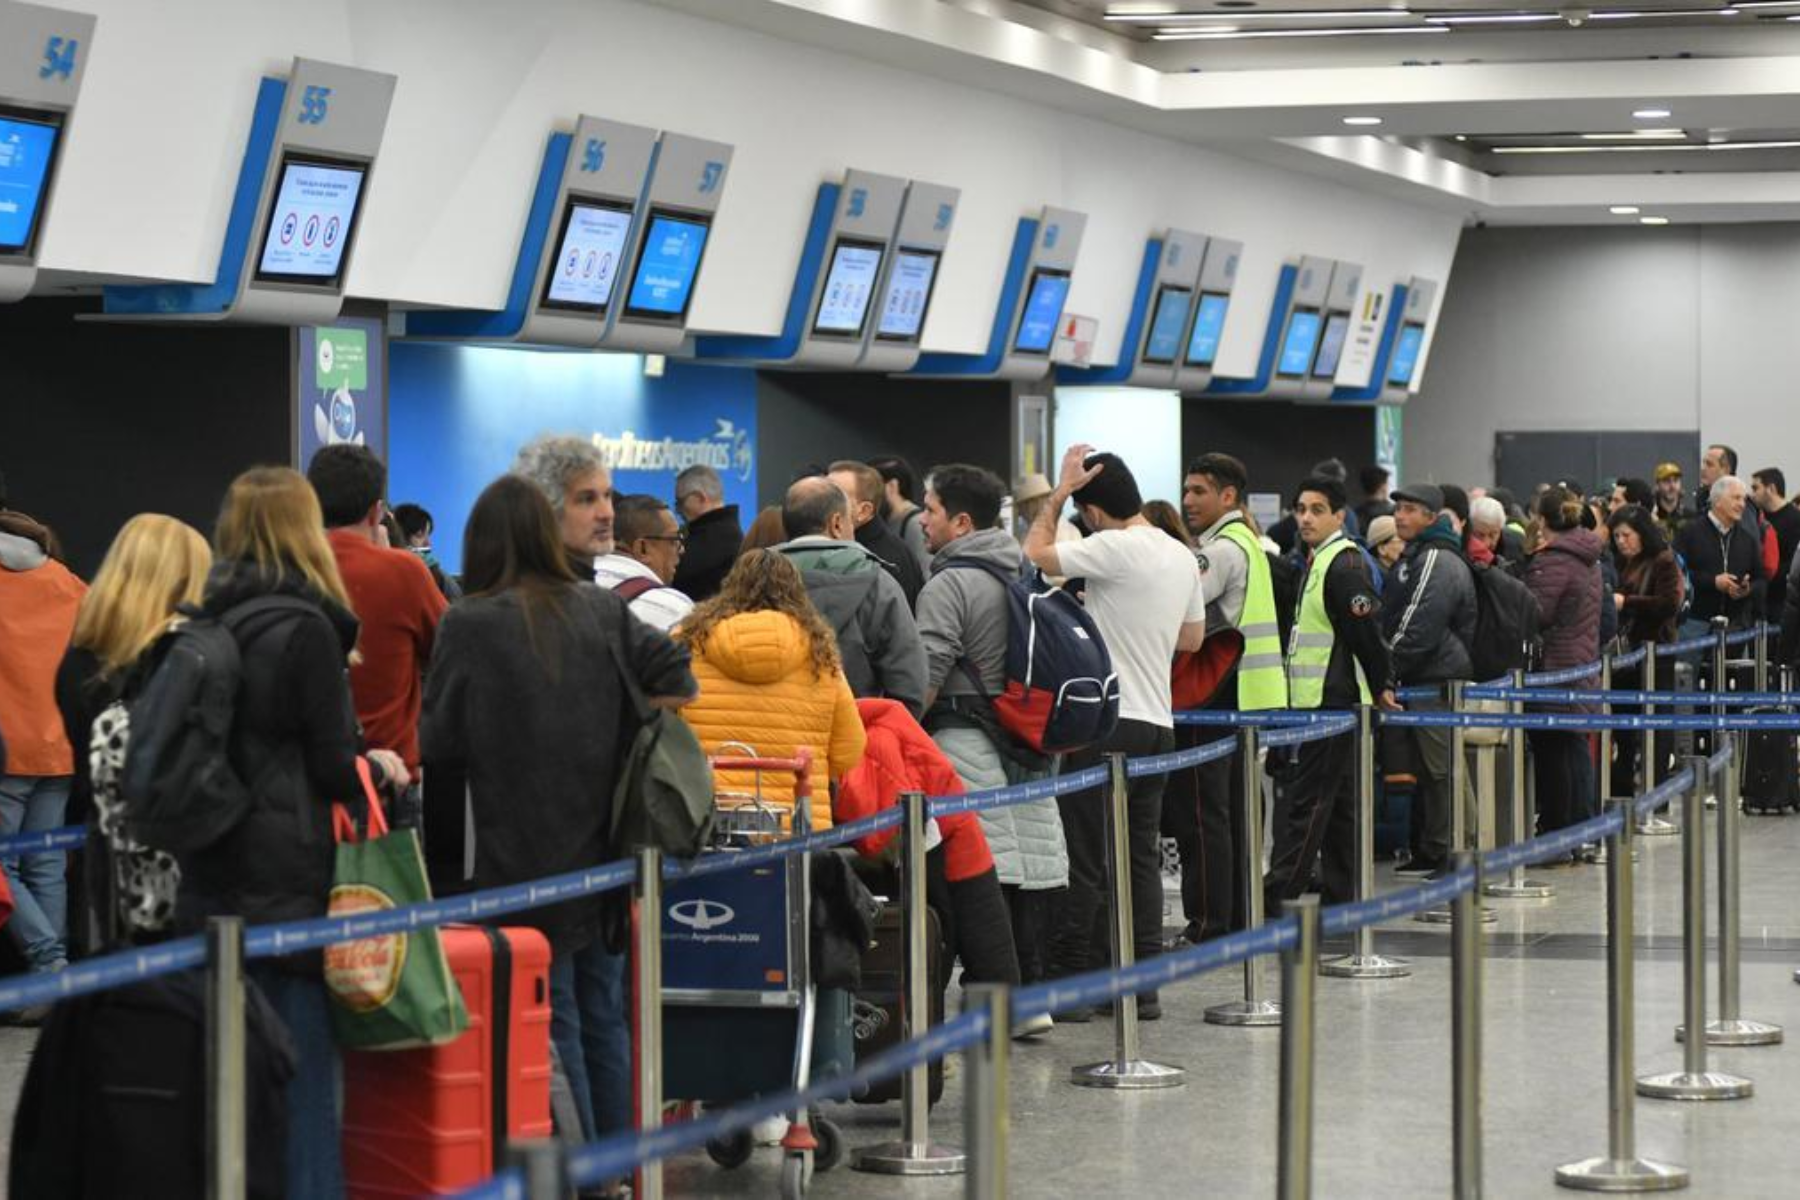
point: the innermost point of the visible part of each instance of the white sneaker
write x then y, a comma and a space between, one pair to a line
1033, 1027
769, 1132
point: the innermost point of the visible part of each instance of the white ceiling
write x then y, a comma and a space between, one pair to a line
1723, 80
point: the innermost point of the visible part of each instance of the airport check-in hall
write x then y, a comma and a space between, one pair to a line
923, 598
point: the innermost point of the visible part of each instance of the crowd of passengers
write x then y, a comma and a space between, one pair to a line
833, 623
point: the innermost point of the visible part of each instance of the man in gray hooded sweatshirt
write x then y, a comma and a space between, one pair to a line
877, 637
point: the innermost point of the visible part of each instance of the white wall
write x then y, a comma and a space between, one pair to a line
1624, 329
1140, 425
156, 147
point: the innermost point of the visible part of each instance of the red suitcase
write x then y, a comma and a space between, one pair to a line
438, 1119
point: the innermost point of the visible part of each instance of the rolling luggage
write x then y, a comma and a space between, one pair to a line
1771, 761
877, 1009
438, 1119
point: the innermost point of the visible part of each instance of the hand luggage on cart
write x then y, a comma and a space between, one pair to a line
438, 1119
741, 1017
1772, 763
877, 1011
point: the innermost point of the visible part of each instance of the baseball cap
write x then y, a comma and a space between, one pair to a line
1667, 470
1428, 494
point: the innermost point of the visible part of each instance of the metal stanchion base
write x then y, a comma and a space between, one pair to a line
1245, 1012
1657, 827
1605, 849
909, 1158
1366, 966
1128, 1076
1737, 1033
1707, 1085
1621, 1175
1442, 916
1797, 976
1526, 889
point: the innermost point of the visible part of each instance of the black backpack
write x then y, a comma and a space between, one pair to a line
1506, 624
180, 789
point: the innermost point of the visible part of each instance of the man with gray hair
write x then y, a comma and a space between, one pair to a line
877, 636
1487, 530
1724, 557
572, 474
714, 532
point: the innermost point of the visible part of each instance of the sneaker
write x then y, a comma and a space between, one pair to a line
769, 1131
1078, 1016
1033, 1027
1149, 1007
1420, 867
1189, 936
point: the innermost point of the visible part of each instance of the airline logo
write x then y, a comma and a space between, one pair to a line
702, 915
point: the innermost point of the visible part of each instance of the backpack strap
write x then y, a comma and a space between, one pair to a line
995, 571
630, 589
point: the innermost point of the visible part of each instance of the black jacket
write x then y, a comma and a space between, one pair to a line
1709, 553
531, 711
294, 739
895, 556
1786, 521
1355, 611
1429, 617
713, 542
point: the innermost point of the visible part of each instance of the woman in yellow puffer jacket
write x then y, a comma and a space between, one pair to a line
770, 678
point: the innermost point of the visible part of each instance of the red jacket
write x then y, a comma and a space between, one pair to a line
901, 757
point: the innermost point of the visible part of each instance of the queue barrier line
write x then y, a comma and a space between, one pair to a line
102, 974
1590, 722
1565, 675
805, 843
66, 837
1604, 696
1555, 844
1348, 918
1299, 735
1231, 719
1742, 637
1018, 793
1666, 792
1181, 760
1630, 658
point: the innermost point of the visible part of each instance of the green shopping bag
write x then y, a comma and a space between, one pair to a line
391, 992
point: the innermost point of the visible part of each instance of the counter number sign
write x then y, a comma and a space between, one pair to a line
593, 156
315, 104
709, 177
59, 58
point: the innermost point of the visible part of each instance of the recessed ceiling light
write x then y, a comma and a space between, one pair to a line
1494, 18
1462, 137
1208, 35
1638, 135
1651, 114
1653, 220
1650, 147
1624, 210
1362, 120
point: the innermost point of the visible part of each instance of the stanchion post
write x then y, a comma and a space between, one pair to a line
914, 1153
1732, 1029
1620, 1169
1465, 1032
227, 1123
1721, 677
1762, 656
1517, 886
1126, 1069
647, 959
986, 1111
1693, 1081
1253, 1009
1299, 969
1364, 962
544, 1168
1465, 822
1651, 825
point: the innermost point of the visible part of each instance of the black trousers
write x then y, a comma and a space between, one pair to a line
1565, 778
1318, 821
1203, 810
1031, 914
977, 928
1079, 941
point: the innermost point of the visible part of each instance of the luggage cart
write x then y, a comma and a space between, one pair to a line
741, 1017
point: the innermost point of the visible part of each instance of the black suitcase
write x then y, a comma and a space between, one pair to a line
876, 1016
1771, 769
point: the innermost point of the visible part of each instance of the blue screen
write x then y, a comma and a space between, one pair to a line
1406, 355
1167, 326
312, 222
667, 264
1331, 346
1302, 339
1209, 327
1043, 308
26, 148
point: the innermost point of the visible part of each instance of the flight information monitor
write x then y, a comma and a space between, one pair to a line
1300, 342
668, 262
908, 296
311, 222
27, 150
849, 287
1043, 310
1167, 324
1209, 328
1331, 346
588, 255
1405, 360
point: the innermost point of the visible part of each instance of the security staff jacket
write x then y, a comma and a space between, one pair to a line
1353, 610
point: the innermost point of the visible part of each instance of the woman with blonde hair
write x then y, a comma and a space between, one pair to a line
154, 568
770, 678
294, 742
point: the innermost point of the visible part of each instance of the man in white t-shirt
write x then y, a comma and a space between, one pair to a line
1143, 590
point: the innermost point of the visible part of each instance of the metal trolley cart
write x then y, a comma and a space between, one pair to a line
741, 1017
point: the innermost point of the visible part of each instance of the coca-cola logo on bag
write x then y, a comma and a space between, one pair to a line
364, 974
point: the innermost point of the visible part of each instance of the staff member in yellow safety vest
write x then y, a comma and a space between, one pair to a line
1336, 659
1205, 806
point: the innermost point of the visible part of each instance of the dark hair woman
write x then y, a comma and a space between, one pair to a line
1649, 597
1564, 576
524, 706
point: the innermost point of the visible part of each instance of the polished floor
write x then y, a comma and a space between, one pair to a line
1383, 1118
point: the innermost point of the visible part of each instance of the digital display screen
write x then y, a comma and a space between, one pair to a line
849, 287
1043, 309
1331, 346
27, 149
908, 296
1209, 328
667, 264
1167, 325
312, 221
1300, 342
1405, 360
588, 254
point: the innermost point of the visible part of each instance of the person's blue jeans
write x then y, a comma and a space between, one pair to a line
39, 924
315, 1164
591, 1025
